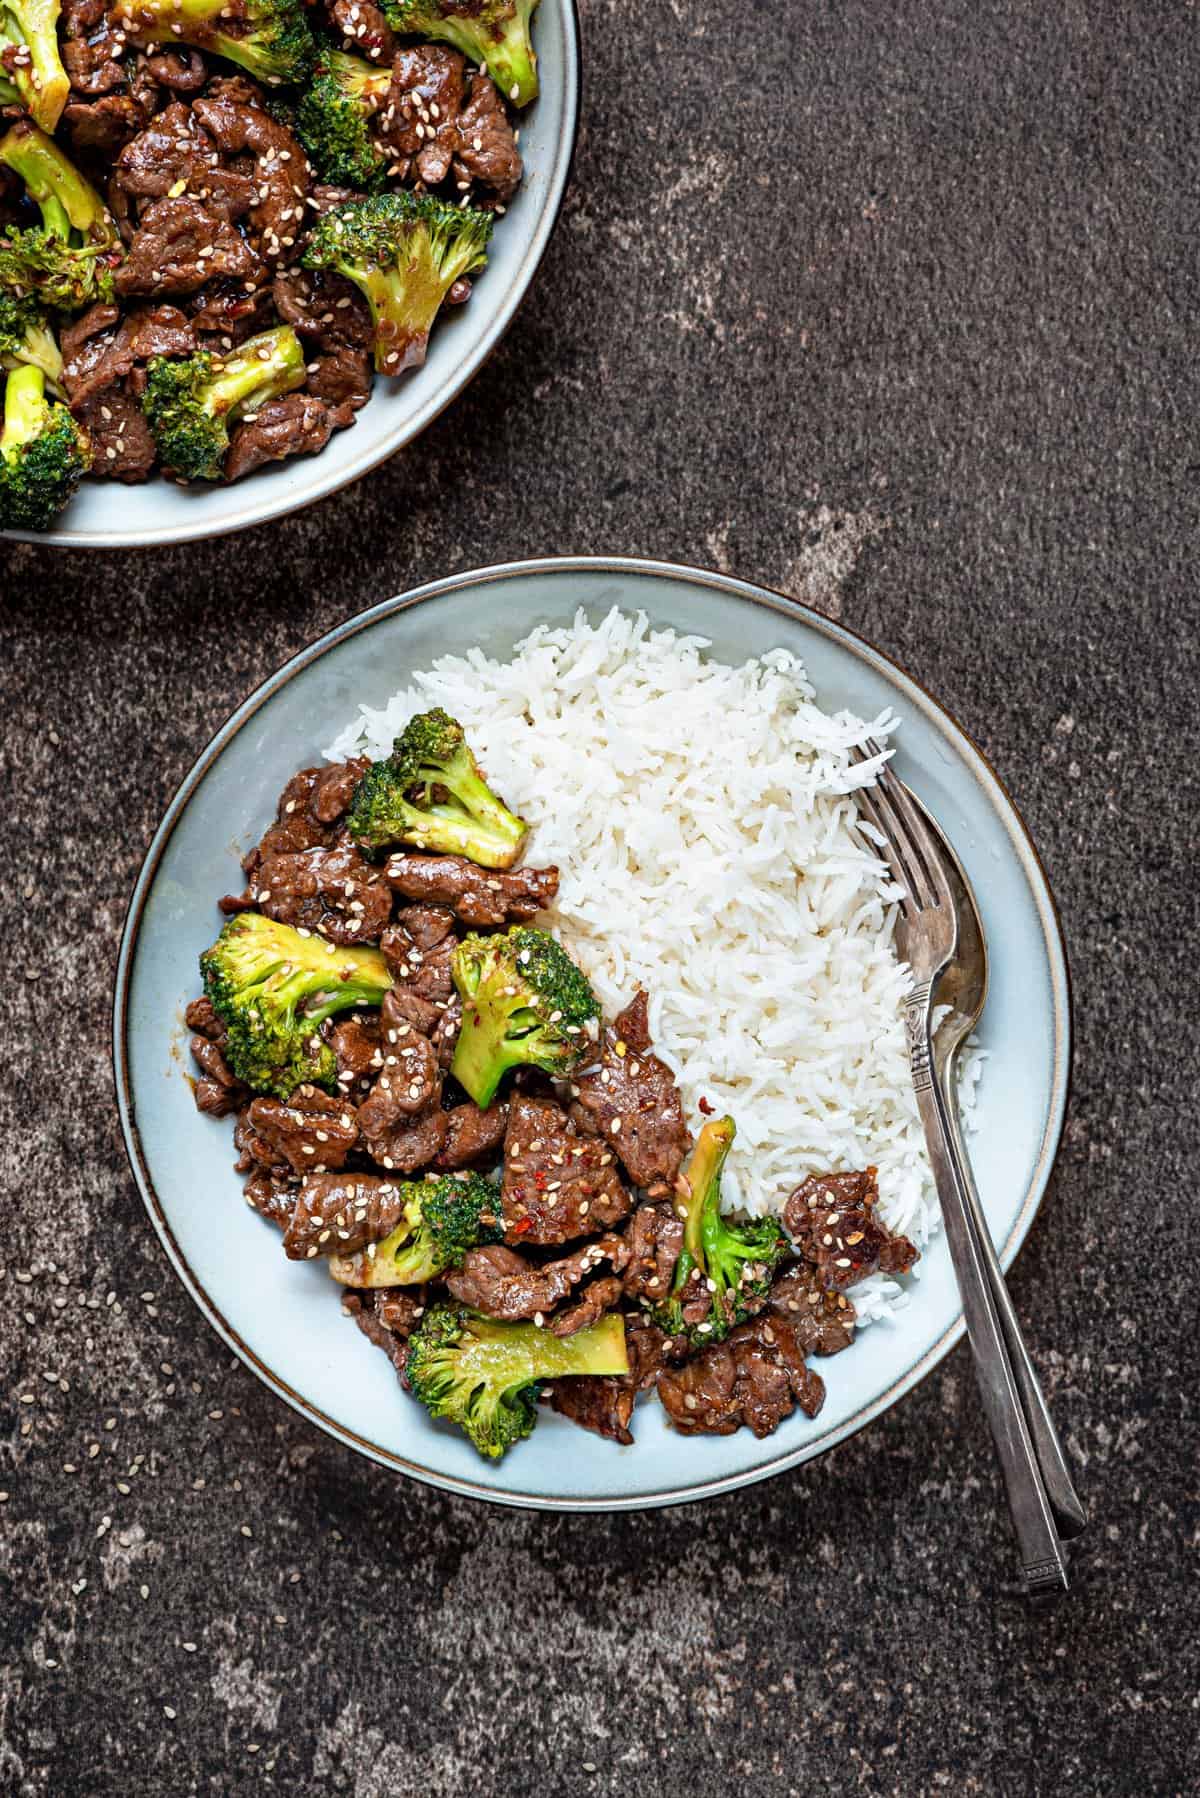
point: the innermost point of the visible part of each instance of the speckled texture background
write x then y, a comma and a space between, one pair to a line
894, 308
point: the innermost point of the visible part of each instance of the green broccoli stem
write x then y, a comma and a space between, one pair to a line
481, 1058
703, 1176
265, 367
67, 202
24, 407
521, 1354
508, 58
42, 82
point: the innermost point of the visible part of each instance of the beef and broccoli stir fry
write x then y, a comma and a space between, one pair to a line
220, 219
502, 1182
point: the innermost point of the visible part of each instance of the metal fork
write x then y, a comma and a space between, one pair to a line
927, 938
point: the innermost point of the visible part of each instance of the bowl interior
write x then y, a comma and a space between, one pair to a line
105, 515
283, 1318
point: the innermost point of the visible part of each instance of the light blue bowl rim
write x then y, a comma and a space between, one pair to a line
916, 696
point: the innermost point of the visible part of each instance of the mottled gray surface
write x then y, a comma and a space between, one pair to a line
894, 307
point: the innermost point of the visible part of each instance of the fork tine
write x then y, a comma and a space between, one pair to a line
920, 838
890, 853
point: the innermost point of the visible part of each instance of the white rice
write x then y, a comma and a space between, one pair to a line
703, 822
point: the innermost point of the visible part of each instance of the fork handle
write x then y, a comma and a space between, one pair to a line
1069, 1515
1043, 1558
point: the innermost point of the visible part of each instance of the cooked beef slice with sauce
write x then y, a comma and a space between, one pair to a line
367, 1310
272, 1197
822, 1318
423, 972
311, 1130
179, 245
500, 1283
362, 27
477, 896
408, 1083
410, 1144
201, 1018
234, 116
436, 123
331, 891
357, 1042
602, 1295
123, 446
309, 807
218, 1091
831, 1219
654, 1239
757, 1376
633, 1103
255, 1151
174, 147
557, 1184
473, 1137
296, 424
339, 1214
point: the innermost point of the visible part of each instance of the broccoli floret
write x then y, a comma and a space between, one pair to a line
333, 119
430, 794
493, 33
67, 260
30, 27
26, 337
484, 1375
729, 1264
405, 251
270, 38
273, 988
43, 453
525, 1004
442, 1220
191, 401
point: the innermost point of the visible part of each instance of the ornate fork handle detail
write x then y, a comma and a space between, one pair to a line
917, 1010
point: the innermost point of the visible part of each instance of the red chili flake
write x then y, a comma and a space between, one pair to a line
519, 1228
706, 1108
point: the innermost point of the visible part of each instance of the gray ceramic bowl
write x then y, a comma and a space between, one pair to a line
105, 515
283, 1319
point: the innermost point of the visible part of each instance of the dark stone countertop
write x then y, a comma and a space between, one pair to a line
895, 308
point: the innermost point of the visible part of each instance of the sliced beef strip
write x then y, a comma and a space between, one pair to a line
408, 1083
654, 1239
324, 306
173, 148
281, 168
296, 424
218, 1091
230, 311
364, 28
822, 1319
96, 356
255, 1152
183, 71
446, 1032
557, 1184
410, 1144
632, 1101
478, 896
473, 1137
831, 1219
331, 891
417, 125
310, 804
201, 1018
339, 1214
486, 152
271, 1196
401, 1006
93, 63
604, 1402
165, 254
312, 1130
123, 446
357, 1044
601, 1296
500, 1283
342, 379
757, 1376
425, 972
102, 127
